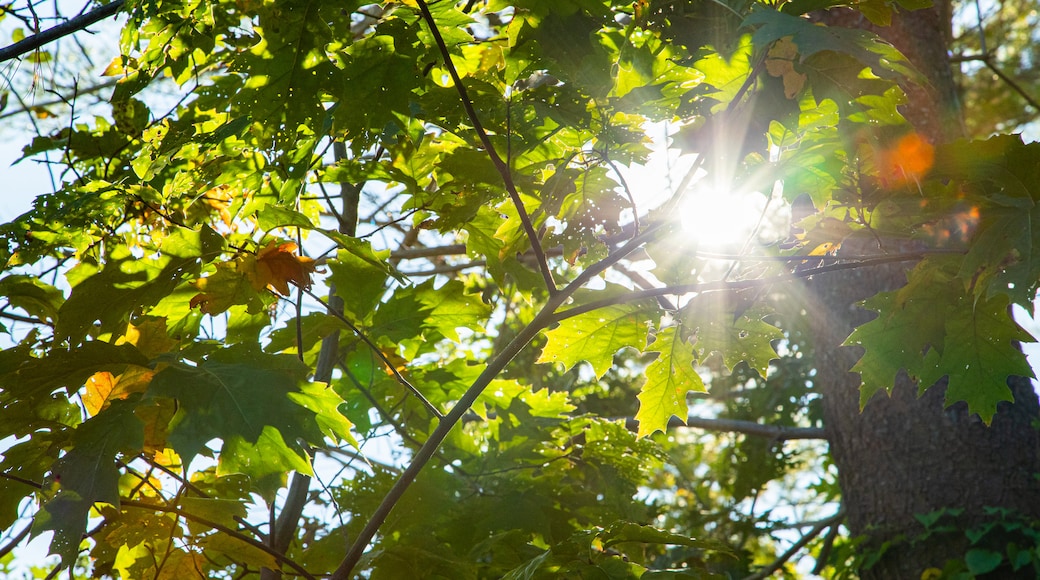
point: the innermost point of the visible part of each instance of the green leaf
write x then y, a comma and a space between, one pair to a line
981, 561
668, 379
32, 295
723, 323
981, 353
126, 284
595, 336
266, 461
238, 392
88, 473
884, 60
31, 377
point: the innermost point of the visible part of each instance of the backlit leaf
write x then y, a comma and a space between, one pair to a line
668, 379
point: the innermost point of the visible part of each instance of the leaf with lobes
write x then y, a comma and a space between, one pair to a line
126, 284
595, 336
668, 379
237, 392
932, 329
29, 377
883, 59
88, 473
726, 324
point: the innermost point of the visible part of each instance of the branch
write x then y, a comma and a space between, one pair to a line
501, 166
783, 558
542, 320
1011, 83
379, 353
775, 432
64, 29
444, 427
723, 285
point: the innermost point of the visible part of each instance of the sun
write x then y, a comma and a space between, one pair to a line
719, 217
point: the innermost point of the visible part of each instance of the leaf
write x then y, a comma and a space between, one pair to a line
982, 561
624, 531
236, 391
668, 379
88, 473
29, 377
595, 336
276, 266
126, 284
981, 353
932, 329
771, 26
103, 387
266, 461
727, 324
32, 295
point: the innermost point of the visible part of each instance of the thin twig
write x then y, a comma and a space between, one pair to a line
48, 36
386, 361
801, 543
1011, 83
500, 165
724, 285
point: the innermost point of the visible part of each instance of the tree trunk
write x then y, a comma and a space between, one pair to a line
905, 455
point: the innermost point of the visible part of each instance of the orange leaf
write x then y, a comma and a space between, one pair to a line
276, 266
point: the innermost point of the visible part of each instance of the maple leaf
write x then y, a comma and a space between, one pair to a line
103, 387
276, 266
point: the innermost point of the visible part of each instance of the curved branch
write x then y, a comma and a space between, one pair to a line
64, 29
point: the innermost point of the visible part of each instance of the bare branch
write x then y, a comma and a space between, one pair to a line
64, 29
775, 432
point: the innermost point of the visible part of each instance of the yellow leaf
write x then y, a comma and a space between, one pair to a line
150, 337
103, 387
114, 68
99, 387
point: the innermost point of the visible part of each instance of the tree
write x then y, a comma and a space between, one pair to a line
195, 314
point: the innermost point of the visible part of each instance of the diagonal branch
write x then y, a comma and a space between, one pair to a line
832, 521
64, 29
500, 165
379, 353
728, 285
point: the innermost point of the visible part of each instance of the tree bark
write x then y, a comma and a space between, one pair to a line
906, 455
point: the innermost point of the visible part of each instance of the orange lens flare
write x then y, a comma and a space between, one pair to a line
906, 161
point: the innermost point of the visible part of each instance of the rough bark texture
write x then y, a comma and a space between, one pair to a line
905, 455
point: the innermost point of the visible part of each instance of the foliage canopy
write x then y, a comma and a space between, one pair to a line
503, 298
